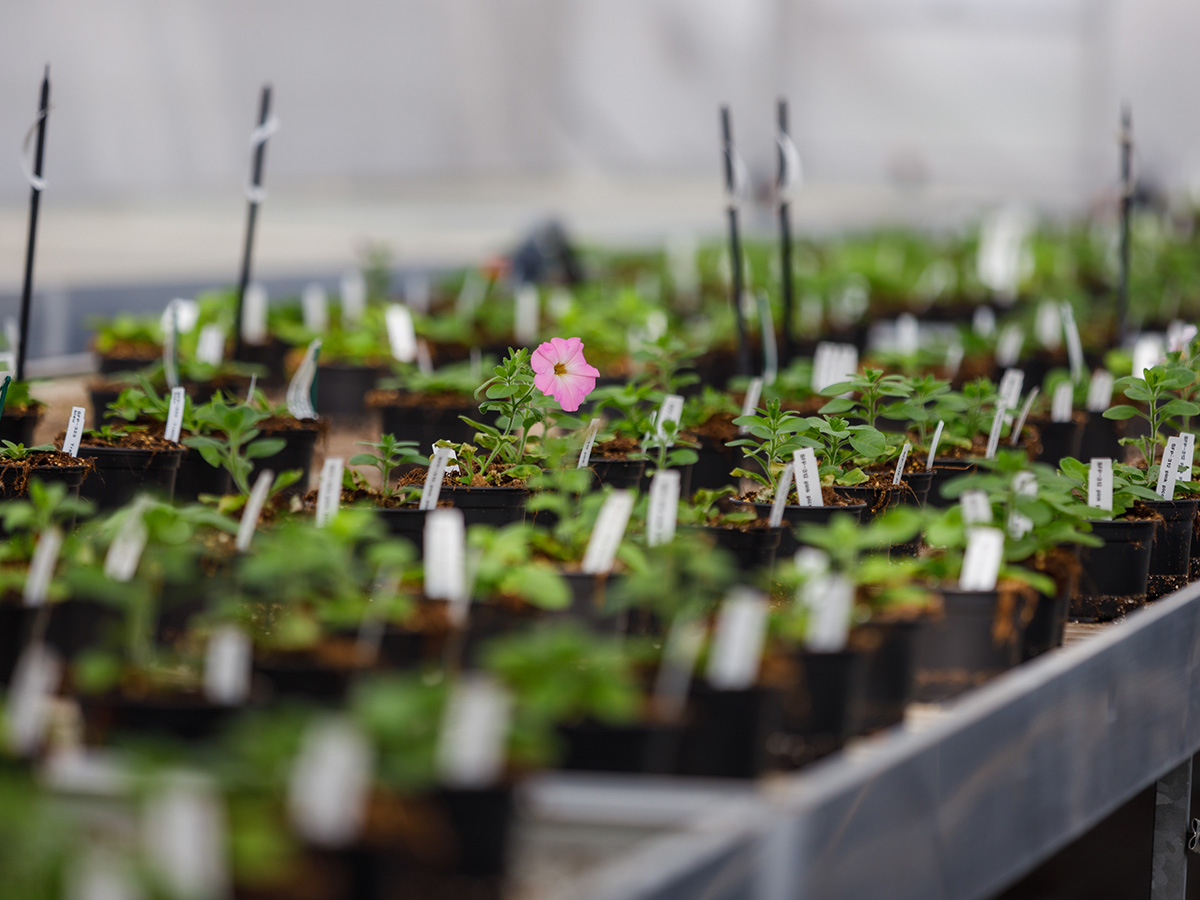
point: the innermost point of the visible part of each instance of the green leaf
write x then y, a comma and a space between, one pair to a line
1124, 411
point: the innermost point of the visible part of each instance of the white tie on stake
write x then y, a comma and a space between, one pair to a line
1019, 425
933, 445
446, 561
227, 666
1062, 402
904, 451
607, 534
1168, 470
1100, 391
330, 782
74, 431
210, 345
997, 427
808, 477
299, 389
664, 507
736, 652
315, 305
253, 509
402, 335
256, 194
329, 490
750, 403
472, 745
1074, 346
770, 347
589, 441
781, 495
981, 561
1100, 484
434, 476
791, 176
37, 182
42, 566
174, 424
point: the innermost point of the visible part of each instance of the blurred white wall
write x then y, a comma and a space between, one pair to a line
1016, 96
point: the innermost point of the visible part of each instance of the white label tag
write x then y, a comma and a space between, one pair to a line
1187, 452
983, 321
781, 495
1009, 390
299, 389
526, 313
1024, 483
954, 357
1074, 345
833, 363
1148, 351
34, 681
750, 404
770, 348
981, 562
473, 745
434, 476
125, 552
664, 507
175, 415
251, 389
997, 427
74, 431
736, 653
933, 445
354, 297
1062, 402
1020, 423
254, 314
808, 477
1048, 325
329, 490
1008, 345
227, 661
976, 508
315, 306
904, 451
424, 357
445, 560
330, 783
607, 534
680, 652
402, 335
1100, 391
183, 833
589, 440
1168, 471
908, 334
830, 600
670, 411
253, 509
1100, 484
42, 566
210, 345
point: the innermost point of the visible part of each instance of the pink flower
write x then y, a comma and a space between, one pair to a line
561, 372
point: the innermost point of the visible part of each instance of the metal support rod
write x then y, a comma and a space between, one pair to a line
1126, 201
35, 198
735, 244
785, 240
260, 151
1168, 873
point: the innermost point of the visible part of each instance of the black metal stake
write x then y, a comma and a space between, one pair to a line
1126, 201
785, 238
35, 198
260, 152
735, 246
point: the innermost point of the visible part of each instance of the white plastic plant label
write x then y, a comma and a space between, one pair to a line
983, 321
1024, 483
227, 659
663, 508
1168, 470
781, 495
1009, 390
808, 477
97, 873
1019, 425
830, 602
329, 490
750, 403
473, 744
1148, 351
933, 445
175, 415
976, 508
899, 473
736, 653
954, 356
1074, 345
354, 297
251, 388
526, 313
908, 334
42, 566
445, 558
1048, 325
424, 357
402, 334
589, 441
997, 427
434, 476
30, 696
670, 411
210, 345
769, 345
183, 832
125, 552
254, 314
251, 512
181, 311
1100, 391
606, 536
314, 304
330, 783
299, 389
74, 431
1008, 345
1187, 453
1062, 402
680, 652
981, 562
1100, 484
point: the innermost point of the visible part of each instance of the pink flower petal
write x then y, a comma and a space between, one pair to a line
543, 358
546, 381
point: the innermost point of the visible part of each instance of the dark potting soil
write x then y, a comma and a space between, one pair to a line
15, 474
1030, 442
279, 424
377, 399
375, 498
719, 427
829, 495
131, 440
496, 478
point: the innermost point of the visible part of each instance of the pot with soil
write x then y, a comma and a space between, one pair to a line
1061, 439
126, 463
17, 467
299, 443
794, 516
342, 389
1171, 556
20, 420
822, 707
728, 731
715, 460
1045, 630
640, 748
426, 418
890, 644
1114, 578
753, 545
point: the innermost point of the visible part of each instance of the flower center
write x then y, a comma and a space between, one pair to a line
560, 369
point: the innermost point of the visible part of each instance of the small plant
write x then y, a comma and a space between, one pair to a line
1128, 487
927, 394
508, 568
967, 414
686, 577
876, 392
108, 434
19, 452
1155, 393
241, 443
510, 394
774, 437
711, 507
844, 449
389, 455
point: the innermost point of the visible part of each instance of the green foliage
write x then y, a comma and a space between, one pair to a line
712, 507
19, 452
688, 576
511, 395
846, 542
241, 443
843, 449
389, 455
507, 567
773, 436
874, 390
1155, 393
402, 716
1128, 486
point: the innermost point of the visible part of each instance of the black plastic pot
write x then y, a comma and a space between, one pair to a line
101, 397
271, 358
189, 717
639, 748
875, 499
728, 732
824, 706
71, 476
297, 676
685, 479
1194, 566
753, 550
342, 390
1114, 577
946, 470
196, 477
1045, 630
619, 473
891, 668
794, 516
19, 427
297, 453
480, 820
588, 593
1101, 438
1171, 557
498, 506
431, 423
122, 473
1061, 439
977, 637
714, 463
406, 522
112, 365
